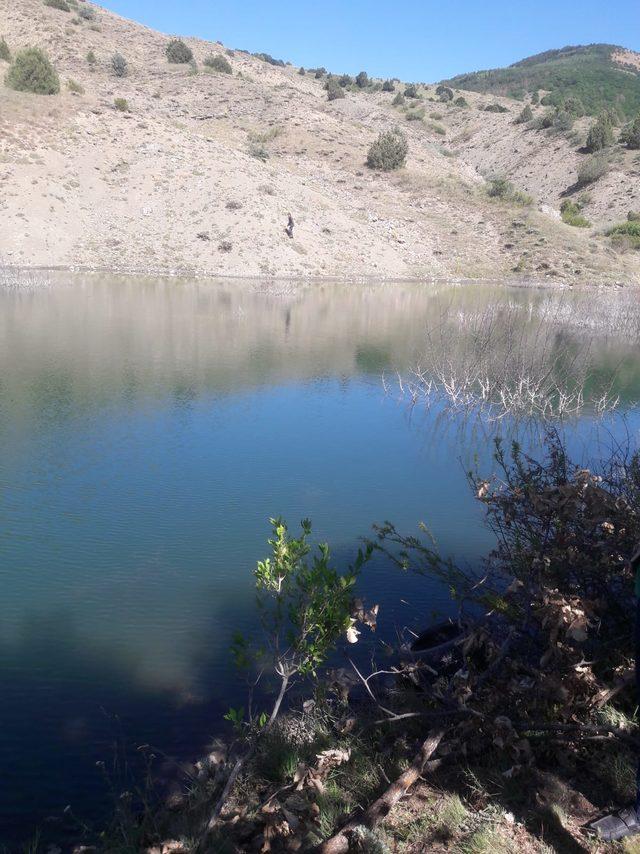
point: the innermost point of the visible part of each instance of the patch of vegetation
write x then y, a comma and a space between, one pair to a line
75, 87
501, 188
5, 53
495, 108
626, 234
388, 86
178, 52
345, 80
630, 135
444, 93
119, 65
301, 72
362, 80
460, 101
121, 104
218, 63
416, 115
334, 89
225, 246
389, 151
86, 13
411, 91
563, 121
571, 213
266, 57
592, 169
600, 134
257, 150
586, 73
32, 72
399, 100
62, 5
91, 59
524, 117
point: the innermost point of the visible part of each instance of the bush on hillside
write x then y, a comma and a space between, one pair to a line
266, 57
592, 169
411, 91
301, 72
362, 80
62, 5
444, 93
32, 72
334, 89
501, 188
630, 135
388, 86
121, 104
574, 106
461, 102
178, 52
5, 53
525, 116
563, 121
218, 63
535, 99
495, 108
320, 73
600, 134
119, 65
627, 234
75, 87
571, 213
91, 58
389, 151
345, 80
86, 13
399, 100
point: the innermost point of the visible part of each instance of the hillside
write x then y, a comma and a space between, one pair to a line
198, 170
599, 75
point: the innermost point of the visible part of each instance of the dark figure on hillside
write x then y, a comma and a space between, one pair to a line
289, 227
627, 821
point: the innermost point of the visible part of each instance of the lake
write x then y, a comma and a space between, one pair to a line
149, 429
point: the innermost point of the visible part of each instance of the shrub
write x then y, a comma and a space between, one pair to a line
31, 71
86, 13
257, 150
266, 57
178, 52
411, 91
5, 53
334, 89
225, 246
62, 5
574, 106
626, 233
399, 100
535, 98
75, 87
630, 135
495, 108
91, 58
388, 86
389, 151
121, 104
461, 102
119, 65
592, 169
633, 216
444, 93
501, 188
301, 72
601, 134
320, 73
218, 63
525, 116
415, 115
362, 80
563, 121
571, 214
345, 81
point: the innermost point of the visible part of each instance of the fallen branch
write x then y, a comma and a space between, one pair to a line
379, 809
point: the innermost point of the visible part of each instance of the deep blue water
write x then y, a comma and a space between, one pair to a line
148, 432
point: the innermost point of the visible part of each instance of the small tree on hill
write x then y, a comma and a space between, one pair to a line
389, 151
444, 93
32, 72
411, 91
119, 65
630, 135
601, 134
362, 80
178, 52
525, 116
388, 86
5, 53
334, 89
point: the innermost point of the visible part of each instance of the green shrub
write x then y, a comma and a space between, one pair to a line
121, 104
31, 71
399, 100
91, 58
178, 52
320, 73
501, 188
62, 5
535, 99
563, 121
257, 150
266, 57
633, 216
592, 169
86, 13
571, 214
389, 151
5, 53
345, 81
495, 108
525, 116
627, 233
119, 65
574, 106
630, 135
411, 91
362, 80
75, 87
334, 89
600, 134
301, 72
461, 102
218, 63
444, 93
388, 86
415, 115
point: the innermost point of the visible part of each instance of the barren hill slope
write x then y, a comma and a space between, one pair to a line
173, 184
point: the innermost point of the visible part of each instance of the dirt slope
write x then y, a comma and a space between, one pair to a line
171, 185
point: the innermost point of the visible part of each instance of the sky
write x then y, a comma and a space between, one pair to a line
416, 40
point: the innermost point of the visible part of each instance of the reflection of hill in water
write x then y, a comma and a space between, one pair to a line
94, 340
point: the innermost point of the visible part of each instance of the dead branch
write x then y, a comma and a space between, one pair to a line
379, 809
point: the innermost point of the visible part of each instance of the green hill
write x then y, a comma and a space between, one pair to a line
600, 75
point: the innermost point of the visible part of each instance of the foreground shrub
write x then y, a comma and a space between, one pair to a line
592, 169
600, 134
626, 234
399, 100
178, 52
444, 93
388, 86
630, 135
563, 121
334, 89
389, 151
119, 65
121, 104
218, 63
525, 116
411, 91
362, 80
571, 213
5, 53
62, 5
32, 72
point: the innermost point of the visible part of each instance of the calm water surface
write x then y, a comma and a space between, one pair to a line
148, 430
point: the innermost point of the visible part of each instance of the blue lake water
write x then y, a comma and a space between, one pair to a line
149, 429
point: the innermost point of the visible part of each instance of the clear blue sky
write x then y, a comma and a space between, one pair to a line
415, 40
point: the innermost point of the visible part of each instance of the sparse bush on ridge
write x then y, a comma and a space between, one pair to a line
592, 169
266, 57
362, 80
32, 72
86, 13
119, 65
495, 108
444, 93
121, 104
301, 72
524, 117
345, 80
62, 5
388, 86
399, 100
630, 135
91, 58
461, 102
389, 151
218, 63
601, 133
411, 91
178, 52
334, 89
